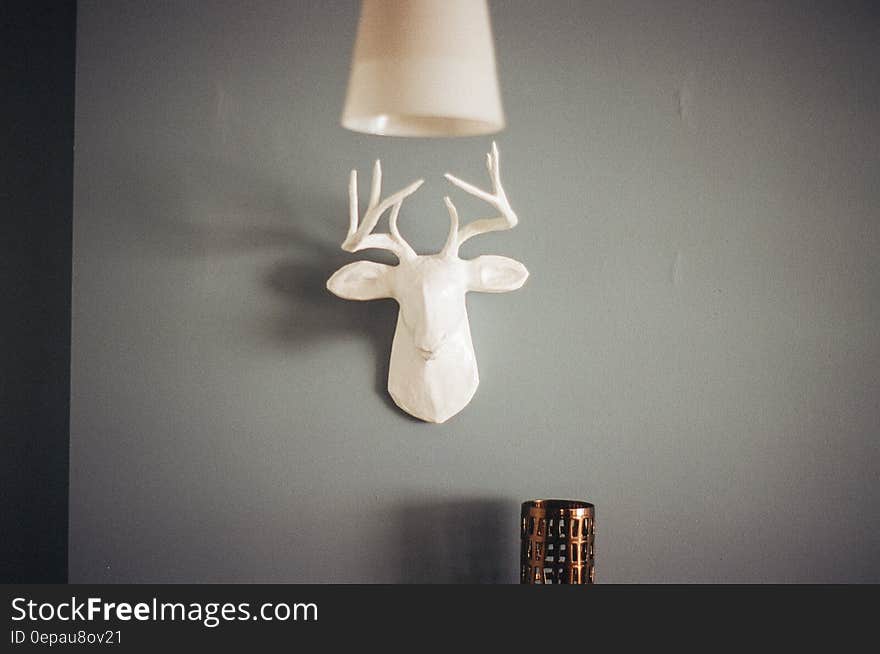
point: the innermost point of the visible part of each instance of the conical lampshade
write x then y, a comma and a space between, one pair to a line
423, 68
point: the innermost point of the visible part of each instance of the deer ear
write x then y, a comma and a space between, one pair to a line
361, 280
494, 274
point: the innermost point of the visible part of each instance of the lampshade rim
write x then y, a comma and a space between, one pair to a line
420, 125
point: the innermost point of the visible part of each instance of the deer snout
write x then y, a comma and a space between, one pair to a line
428, 349
426, 354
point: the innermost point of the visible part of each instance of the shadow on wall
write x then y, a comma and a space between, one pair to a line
208, 208
458, 542
315, 314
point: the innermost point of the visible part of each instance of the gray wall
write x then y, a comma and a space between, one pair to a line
696, 351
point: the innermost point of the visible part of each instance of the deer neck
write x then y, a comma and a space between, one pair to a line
433, 390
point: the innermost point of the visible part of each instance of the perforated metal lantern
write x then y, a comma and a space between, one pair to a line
557, 542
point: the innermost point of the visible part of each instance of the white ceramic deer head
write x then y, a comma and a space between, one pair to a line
433, 373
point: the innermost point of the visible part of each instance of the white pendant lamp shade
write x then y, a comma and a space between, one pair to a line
423, 68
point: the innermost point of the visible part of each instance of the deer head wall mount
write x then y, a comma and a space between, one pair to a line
433, 373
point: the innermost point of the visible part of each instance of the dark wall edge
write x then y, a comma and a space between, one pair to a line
38, 39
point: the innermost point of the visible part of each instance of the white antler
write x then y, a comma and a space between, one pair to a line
361, 237
497, 198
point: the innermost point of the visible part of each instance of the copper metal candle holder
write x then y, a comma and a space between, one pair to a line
557, 542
